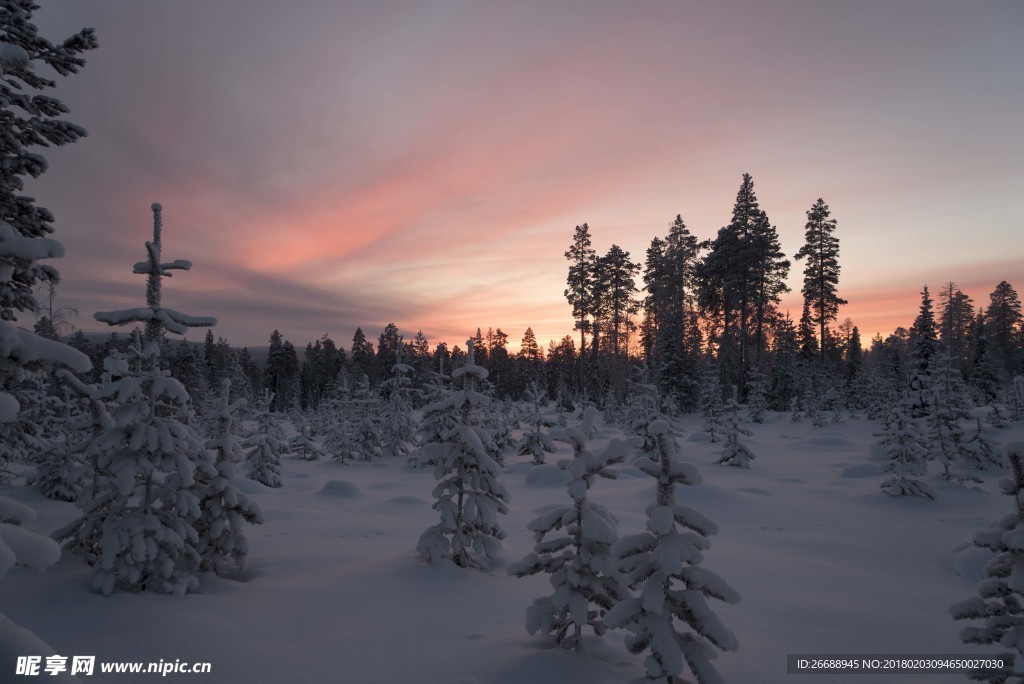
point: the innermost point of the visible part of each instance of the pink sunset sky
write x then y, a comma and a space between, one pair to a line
327, 165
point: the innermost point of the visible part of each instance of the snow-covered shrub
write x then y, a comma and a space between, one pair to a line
535, 441
713, 407
979, 453
397, 431
670, 618
265, 446
903, 444
469, 494
735, 452
138, 522
223, 510
303, 445
757, 395
1000, 599
574, 547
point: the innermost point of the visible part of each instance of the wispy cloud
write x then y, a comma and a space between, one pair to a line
355, 164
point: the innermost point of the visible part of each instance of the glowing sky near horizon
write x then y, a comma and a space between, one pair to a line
327, 165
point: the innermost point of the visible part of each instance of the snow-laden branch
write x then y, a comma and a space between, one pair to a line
174, 321
13, 245
21, 348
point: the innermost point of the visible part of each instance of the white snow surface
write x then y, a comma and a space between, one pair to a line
335, 591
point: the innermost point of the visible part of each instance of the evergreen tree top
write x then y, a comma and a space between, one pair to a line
29, 121
156, 317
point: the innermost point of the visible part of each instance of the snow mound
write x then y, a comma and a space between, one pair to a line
547, 475
17, 641
521, 467
860, 470
340, 489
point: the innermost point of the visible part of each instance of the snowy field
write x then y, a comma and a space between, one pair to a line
825, 562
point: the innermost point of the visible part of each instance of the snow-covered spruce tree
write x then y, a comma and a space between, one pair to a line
949, 406
785, 382
903, 444
44, 412
979, 453
138, 522
670, 618
499, 422
154, 315
1017, 398
224, 510
362, 411
28, 121
433, 426
469, 493
397, 431
995, 416
340, 441
63, 472
735, 453
874, 393
588, 421
141, 520
642, 408
984, 368
832, 395
711, 401
574, 547
303, 444
1000, 599
813, 399
796, 409
757, 395
613, 409
79, 475
924, 346
535, 441
20, 441
265, 445
493, 418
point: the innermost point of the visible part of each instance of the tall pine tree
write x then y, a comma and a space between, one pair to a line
821, 272
1003, 318
742, 279
579, 291
924, 345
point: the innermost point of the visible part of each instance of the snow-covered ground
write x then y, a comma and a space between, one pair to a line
825, 562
